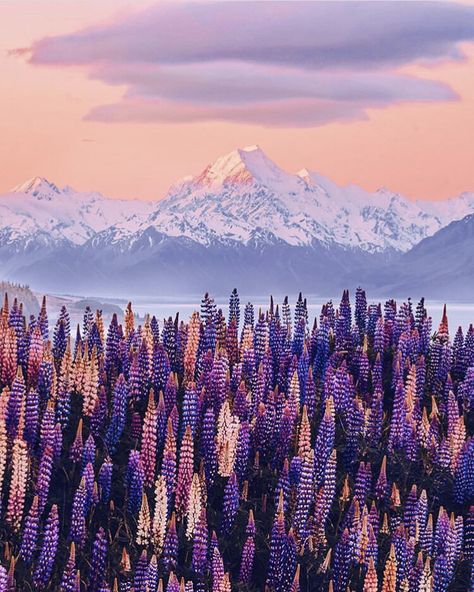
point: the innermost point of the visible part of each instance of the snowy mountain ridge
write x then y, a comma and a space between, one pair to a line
244, 192
241, 197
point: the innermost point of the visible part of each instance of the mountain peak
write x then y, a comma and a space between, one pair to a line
38, 186
244, 166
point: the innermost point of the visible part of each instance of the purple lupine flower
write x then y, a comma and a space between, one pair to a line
98, 561
170, 548
99, 413
284, 438
152, 573
105, 480
89, 479
30, 532
440, 575
304, 495
468, 545
135, 480
401, 554
283, 486
289, 562
200, 544
363, 482
30, 432
243, 450
341, 565
277, 541
119, 411
75, 451
88, 452
68, 579
45, 563
140, 580
77, 532
324, 443
44, 477
15, 399
464, 476
248, 552
173, 583
230, 504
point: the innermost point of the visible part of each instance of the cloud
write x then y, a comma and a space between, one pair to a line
255, 61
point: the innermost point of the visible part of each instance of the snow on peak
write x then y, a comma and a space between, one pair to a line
37, 186
244, 166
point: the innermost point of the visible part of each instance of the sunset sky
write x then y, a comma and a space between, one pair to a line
126, 97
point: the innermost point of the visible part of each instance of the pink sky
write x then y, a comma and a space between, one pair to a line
420, 148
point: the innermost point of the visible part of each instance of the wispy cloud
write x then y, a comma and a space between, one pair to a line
270, 63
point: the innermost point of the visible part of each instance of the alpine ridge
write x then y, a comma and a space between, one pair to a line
241, 212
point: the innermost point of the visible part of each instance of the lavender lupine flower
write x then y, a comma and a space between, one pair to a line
468, 545
140, 580
48, 549
170, 550
277, 541
324, 443
289, 562
341, 565
440, 574
77, 532
15, 400
88, 452
200, 545
230, 504
134, 480
304, 495
76, 449
98, 561
173, 583
464, 476
152, 573
217, 570
44, 477
243, 449
119, 410
91, 492
30, 432
69, 579
248, 552
30, 532
105, 480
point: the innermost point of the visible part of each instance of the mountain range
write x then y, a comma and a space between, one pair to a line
242, 221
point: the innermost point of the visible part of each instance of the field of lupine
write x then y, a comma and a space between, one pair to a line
256, 451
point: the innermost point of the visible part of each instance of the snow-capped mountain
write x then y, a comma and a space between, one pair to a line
39, 207
244, 193
242, 216
242, 197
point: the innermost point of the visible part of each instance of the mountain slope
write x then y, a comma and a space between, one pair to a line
439, 266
